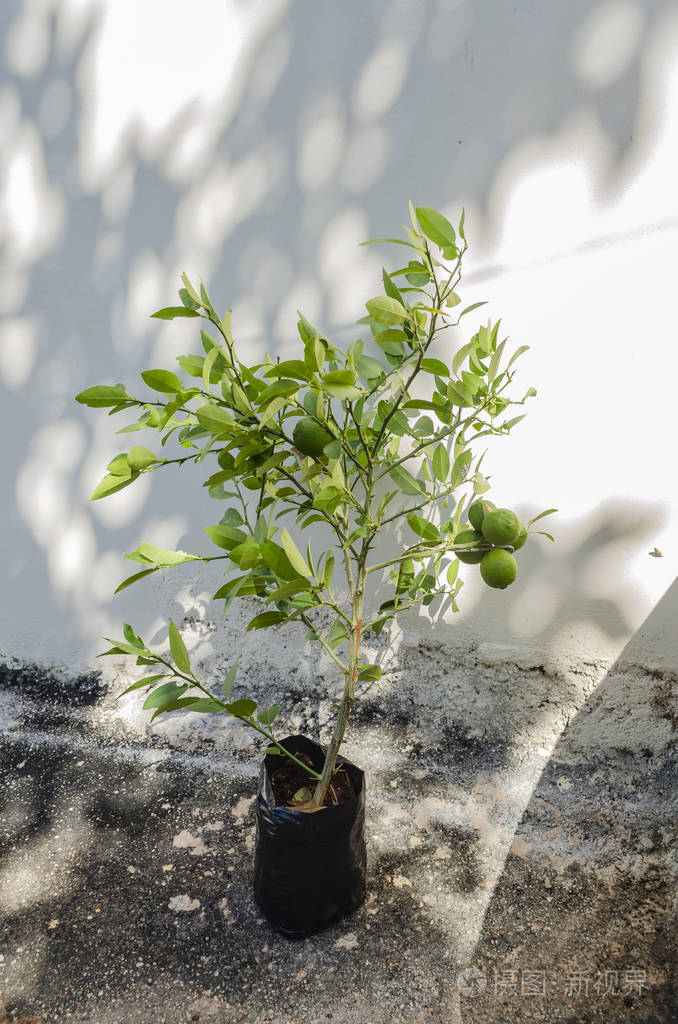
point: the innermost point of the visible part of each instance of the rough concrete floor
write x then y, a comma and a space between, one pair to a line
505, 884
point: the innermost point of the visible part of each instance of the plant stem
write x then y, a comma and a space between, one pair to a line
348, 695
305, 619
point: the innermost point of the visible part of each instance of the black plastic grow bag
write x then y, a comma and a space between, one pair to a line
309, 869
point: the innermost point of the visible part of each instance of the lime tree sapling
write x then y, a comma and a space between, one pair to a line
357, 441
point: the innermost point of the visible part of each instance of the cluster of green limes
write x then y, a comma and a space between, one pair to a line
500, 528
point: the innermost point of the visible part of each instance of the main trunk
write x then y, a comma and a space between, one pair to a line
348, 695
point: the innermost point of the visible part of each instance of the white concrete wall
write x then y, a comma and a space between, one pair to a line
255, 145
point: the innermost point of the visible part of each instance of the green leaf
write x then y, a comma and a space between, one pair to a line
423, 528
192, 365
280, 389
132, 638
306, 330
265, 619
421, 403
110, 484
208, 374
241, 585
163, 556
174, 705
390, 241
458, 394
226, 537
290, 368
441, 463
163, 380
369, 672
289, 590
120, 647
141, 683
483, 340
386, 310
190, 289
391, 340
271, 409
453, 572
314, 354
327, 571
296, 559
133, 579
178, 649
275, 559
423, 427
337, 634
436, 227
119, 466
268, 715
472, 382
461, 356
460, 468
370, 368
340, 384
403, 576
390, 287
139, 458
516, 355
327, 497
495, 360
206, 705
101, 396
509, 424
340, 377
214, 419
187, 299
246, 555
205, 299
480, 484
170, 312
164, 694
243, 708
417, 274
542, 515
229, 680
461, 223
405, 481
436, 366
474, 305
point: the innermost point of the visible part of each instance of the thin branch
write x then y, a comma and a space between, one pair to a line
304, 618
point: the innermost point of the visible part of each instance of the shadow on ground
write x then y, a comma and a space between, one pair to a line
582, 922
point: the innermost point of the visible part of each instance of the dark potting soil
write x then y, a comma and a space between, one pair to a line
290, 779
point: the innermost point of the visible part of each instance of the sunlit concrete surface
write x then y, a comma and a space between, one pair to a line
521, 837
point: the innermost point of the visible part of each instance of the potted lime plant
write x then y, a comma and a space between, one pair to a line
359, 442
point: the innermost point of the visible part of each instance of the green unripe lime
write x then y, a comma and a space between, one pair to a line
477, 513
310, 437
465, 537
501, 526
520, 539
498, 568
